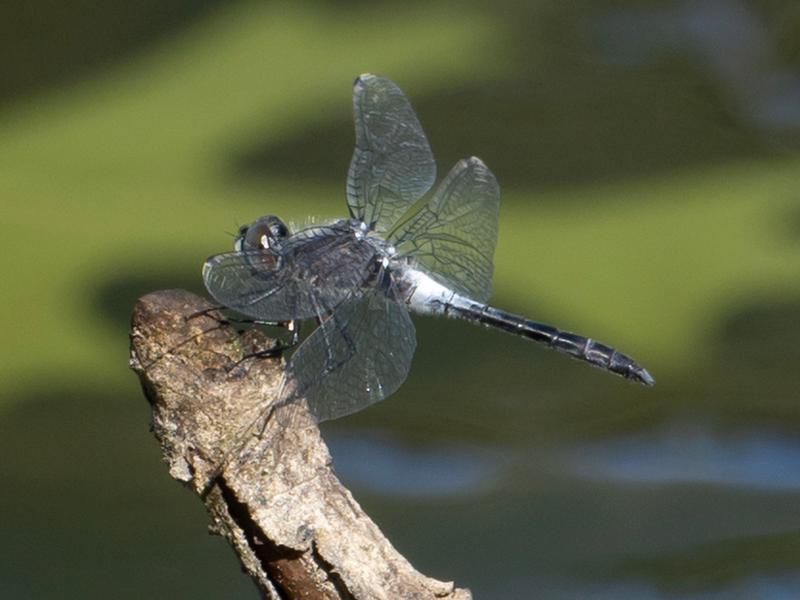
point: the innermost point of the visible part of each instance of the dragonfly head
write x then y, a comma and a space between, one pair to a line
262, 234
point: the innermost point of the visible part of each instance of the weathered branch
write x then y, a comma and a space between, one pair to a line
270, 489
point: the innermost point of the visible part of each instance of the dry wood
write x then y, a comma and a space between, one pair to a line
270, 490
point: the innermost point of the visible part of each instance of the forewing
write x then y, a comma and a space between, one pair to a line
308, 275
392, 165
265, 286
358, 355
453, 237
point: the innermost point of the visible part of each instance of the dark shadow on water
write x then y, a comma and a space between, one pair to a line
114, 298
712, 565
791, 222
46, 45
567, 114
89, 510
539, 130
763, 335
755, 375
564, 115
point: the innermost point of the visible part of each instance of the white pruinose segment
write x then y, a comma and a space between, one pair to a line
425, 295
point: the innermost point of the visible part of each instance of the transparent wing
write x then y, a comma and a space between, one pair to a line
256, 284
392, 165
358, 356
454, 235
266, 286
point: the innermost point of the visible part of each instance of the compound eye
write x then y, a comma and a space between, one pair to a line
258, 236
279, 230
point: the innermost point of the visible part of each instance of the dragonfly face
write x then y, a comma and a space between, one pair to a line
359, 277
262, 234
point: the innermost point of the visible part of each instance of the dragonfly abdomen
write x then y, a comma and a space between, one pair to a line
571, 344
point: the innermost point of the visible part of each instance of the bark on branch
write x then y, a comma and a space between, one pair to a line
270, 490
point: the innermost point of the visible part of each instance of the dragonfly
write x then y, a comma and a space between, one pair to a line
401, 250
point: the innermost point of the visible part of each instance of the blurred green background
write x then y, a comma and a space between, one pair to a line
648, 156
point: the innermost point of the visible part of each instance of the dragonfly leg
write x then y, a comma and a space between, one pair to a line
276, 349
229, 320
332, 362
206, 312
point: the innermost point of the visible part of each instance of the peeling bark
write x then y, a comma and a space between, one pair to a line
270, 489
